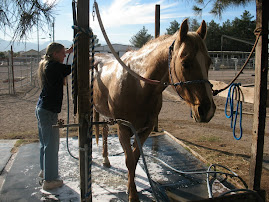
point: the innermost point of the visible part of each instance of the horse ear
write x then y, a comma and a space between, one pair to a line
184, 28
202, 30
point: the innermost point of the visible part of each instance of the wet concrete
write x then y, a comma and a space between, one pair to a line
22, 183
189, 187
5, 151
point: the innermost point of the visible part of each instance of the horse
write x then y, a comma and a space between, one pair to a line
119, 95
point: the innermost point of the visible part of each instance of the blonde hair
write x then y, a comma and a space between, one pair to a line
51, 48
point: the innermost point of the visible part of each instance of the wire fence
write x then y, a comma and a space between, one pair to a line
14, 77
232, 63
23, 73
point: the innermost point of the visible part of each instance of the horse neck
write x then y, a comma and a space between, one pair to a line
157, 64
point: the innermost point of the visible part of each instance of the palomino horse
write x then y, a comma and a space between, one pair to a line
119, 95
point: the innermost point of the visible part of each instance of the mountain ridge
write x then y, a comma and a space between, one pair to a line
22, 46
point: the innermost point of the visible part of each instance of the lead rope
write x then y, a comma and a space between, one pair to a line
74, 64
91, 118
234, 93
68, 114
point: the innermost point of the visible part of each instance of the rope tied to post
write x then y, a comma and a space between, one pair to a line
235, 93
89, 120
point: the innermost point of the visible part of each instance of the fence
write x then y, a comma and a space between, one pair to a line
14, 78
231, 60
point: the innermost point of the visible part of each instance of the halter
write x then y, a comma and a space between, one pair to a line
181, 83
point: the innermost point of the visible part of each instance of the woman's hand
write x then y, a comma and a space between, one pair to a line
70, 50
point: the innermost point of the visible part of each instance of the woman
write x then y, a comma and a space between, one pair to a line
51, 73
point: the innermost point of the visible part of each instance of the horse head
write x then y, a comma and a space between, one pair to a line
189, 67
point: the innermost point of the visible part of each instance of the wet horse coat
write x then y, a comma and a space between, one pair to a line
118, 95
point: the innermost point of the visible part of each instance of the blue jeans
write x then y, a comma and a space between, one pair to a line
49, 142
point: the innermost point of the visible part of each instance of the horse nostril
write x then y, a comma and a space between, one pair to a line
201, 111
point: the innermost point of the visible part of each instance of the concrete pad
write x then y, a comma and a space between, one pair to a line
5, 151
21, 181
108, 184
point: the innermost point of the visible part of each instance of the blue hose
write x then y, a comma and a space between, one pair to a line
234, 92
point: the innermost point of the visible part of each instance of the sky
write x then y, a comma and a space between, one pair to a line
122, 19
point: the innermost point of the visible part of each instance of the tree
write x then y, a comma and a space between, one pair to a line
244, 26
174, 27
242, 29
239, 28
194, 25
96, 41
213, 37
2, 55
20, 16
142, 37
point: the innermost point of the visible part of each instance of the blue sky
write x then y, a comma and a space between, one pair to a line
124, 18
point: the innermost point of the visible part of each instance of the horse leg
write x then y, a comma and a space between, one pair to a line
96, 119
142, 137
125, 140
106, 162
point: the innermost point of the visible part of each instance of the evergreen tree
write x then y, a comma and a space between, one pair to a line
96, 41
142, 37
2, 55
242, 29
174, 27
194, 25
213, 37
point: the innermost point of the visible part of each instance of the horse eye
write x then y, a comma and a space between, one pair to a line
186, 65
210, 62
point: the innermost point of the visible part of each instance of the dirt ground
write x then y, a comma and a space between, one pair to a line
213, 141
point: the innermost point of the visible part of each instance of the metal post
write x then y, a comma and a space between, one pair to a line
37, 41
53, 24
221, 49
157, 21
260, 95
83, 93
31, 75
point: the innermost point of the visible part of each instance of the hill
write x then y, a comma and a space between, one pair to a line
21, 46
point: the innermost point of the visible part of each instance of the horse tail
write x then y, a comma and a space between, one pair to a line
96, 119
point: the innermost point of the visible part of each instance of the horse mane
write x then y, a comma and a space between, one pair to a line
191, 35
159, 39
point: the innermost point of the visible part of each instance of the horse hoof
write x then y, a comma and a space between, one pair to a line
106, 162
107, 165
136, 199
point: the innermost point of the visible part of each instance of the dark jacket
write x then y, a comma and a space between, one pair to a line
51, 96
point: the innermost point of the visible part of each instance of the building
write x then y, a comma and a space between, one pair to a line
30, 53
119, 48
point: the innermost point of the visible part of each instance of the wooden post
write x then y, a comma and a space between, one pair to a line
260, 95
83, 94
12, 71
157, 21
157, 34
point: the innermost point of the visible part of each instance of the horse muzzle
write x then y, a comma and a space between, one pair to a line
204, 112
